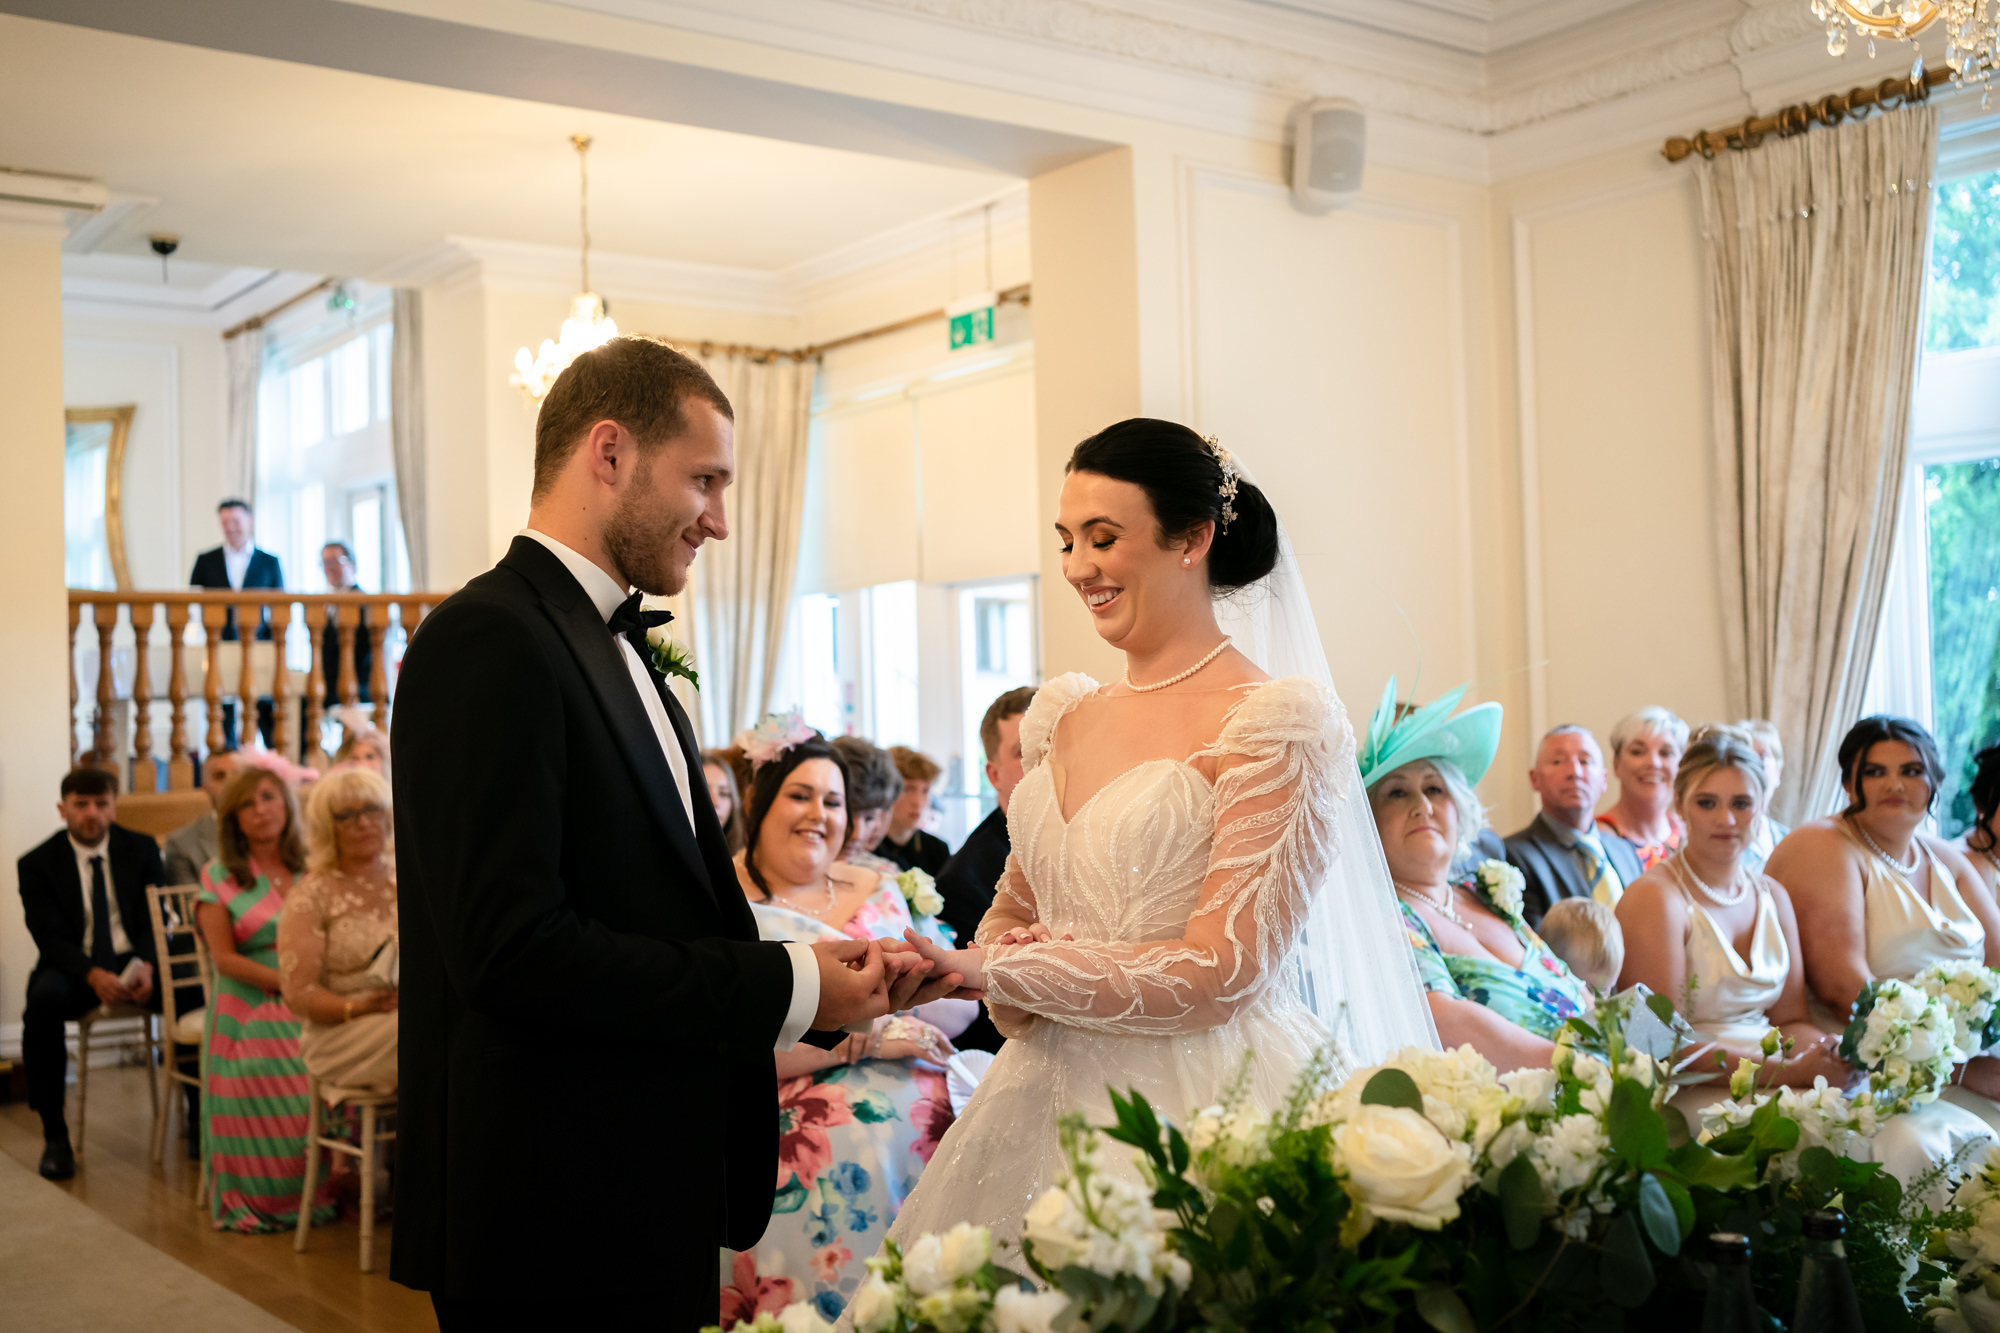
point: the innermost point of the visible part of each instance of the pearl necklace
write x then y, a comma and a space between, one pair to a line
1907, 871
1739, 889
832, 901
1445, 908
1214, 653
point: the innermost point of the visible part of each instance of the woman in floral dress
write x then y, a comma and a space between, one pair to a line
857, 1123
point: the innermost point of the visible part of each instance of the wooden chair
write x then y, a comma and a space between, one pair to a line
371, 1105
171, 911
88, 1024
158, 813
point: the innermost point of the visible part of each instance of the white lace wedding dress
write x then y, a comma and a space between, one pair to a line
1185, 902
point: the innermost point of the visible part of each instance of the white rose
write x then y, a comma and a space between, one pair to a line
874, 1306
1055, 1228
1400, 1167
1980, 1311
1535, 1087
1018, 1311
924, 1268
956, 1310
800, 1317
966, 1250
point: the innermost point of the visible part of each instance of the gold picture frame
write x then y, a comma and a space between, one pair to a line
120, 421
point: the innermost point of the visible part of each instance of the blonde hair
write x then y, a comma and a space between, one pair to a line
1719, 747
1764, 735
347, 786
1640, 721
1584, 933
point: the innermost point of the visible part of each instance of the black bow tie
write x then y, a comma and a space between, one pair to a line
633, 620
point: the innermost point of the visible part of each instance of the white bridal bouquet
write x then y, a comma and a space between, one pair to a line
1907, 1041
1973, 991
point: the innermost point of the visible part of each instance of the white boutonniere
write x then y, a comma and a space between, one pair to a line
1502, 884
920, 892
670, 656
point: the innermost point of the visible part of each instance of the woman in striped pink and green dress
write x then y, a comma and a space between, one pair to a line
254, 1106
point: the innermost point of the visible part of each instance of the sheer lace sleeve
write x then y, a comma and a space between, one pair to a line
302, 946
1276, 792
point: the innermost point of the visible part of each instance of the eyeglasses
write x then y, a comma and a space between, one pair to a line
349, 816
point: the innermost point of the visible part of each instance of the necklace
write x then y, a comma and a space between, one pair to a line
1213, 653
1445, 907
1738, 890
1907, 871
832, 901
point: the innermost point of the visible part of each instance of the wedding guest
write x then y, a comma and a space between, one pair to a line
1584, 933
337, 936
1564, 852
362, 744
254, 1105
906, 843
193, 845
968, 879
865, 1117
874, 785
1770, 747
83, 899
337, 563
724, 794
1878, 897
1981, 843
1645, 750
237, 565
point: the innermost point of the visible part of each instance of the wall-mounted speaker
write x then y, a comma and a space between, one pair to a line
1329, 149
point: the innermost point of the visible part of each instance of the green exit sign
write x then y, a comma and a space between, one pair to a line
971, 320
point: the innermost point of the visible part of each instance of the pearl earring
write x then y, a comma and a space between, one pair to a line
1187, 559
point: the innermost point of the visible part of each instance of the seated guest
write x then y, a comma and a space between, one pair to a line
865, 1116
362, 744
1489, 979
192, 845
254, 1107
1878, 897
337, 935
1584, 933
724, 795
1770, 747
1981, 843
966, 883
83, 897
906, 843
1645, 750
1564, 852
873, 786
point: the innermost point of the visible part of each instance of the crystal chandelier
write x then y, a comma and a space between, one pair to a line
588, 325
1972, 29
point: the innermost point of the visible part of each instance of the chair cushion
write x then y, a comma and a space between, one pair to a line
188, 1026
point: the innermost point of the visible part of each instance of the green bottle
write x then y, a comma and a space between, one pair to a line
1731, 1306
1826, 1287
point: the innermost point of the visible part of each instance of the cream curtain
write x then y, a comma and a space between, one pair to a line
740, 595
406, 429
244, 360
1816, 256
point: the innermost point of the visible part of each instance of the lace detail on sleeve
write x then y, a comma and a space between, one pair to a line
1052, 700
1276, 793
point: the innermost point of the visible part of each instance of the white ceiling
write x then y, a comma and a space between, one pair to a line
265, 164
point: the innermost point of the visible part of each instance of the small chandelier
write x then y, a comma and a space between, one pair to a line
1972, 29
588, 325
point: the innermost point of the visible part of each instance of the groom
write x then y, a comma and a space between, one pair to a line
588, 1106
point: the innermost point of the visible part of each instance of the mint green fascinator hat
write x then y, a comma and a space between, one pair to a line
1469, 741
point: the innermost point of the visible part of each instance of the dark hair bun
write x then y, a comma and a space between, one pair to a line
1183, 479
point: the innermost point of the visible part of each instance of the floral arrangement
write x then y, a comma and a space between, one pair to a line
920, 892
1826, 1117
1906, 1040
1973, 991
777, 733
1967, 1297
1503, 885
670, 656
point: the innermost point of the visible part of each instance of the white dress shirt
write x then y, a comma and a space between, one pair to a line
606, 596
121, 943
237, 563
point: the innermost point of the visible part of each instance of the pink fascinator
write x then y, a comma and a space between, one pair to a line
777, 733
271, 761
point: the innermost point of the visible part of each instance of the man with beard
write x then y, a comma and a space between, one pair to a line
588, 1102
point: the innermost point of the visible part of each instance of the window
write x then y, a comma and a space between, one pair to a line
1962, 514
1964, 295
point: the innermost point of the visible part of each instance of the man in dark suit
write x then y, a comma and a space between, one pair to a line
236, 565
83, 893
576, 955
967, 881
1563, 852
337, 562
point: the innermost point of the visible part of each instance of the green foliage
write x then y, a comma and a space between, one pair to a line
1962, 503
1965, 265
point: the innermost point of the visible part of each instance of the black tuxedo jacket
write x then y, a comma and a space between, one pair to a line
966, 883
263, 572
52, 892
1551, 869
588, 1103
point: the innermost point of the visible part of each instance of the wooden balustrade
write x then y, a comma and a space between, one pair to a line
121, 725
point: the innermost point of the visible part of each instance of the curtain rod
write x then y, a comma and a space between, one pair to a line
1011, 296
257, 321
1829, 110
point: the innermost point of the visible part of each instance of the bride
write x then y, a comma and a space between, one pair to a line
1194, 872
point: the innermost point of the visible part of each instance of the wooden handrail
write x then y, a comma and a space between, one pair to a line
124, 741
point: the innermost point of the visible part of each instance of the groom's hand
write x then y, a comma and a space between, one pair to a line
853, 984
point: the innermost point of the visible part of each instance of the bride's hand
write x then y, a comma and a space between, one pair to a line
1034, 932
961, 968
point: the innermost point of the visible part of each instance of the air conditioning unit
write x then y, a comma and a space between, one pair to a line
38, 187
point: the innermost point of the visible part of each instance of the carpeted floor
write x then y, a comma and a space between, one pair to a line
66, 1267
